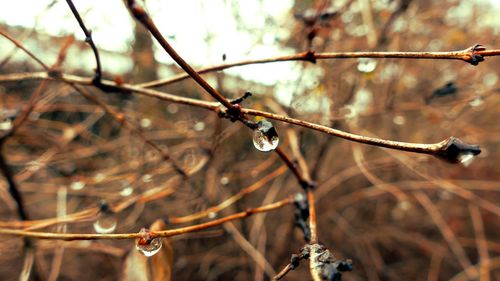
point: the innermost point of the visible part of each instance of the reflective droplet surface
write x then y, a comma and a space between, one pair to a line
145, 122
212, 215
199, 126
265, 137
466, 159
77, 185
366, 65
455, 150
147, 244
476, 102
224, 180
106, 222
5, 124
147, 178
127, 189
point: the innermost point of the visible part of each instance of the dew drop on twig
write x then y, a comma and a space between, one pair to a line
147, 244
77, 185
466, 159
265, 137
457, 151
127, 189
106, 221
5, 124
366, 65
476, 102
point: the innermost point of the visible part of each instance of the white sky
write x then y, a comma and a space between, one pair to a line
186, 23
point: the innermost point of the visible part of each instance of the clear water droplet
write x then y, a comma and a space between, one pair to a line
399, 120
106, 222
224, 180
69, 133
145, 122
199, 126
147, 178
466, 159
5, 124
77, 185
265, 137
455, 150
476, 102
127, 189
366, 65
99, 177
147, 244
172, 108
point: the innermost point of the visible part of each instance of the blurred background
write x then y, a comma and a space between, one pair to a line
397, 215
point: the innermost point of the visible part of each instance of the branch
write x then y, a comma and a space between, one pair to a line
467, 55
449, 149
140, 14
153, 234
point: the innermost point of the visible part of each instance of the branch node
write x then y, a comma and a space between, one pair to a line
310, 56
454, 150
472, 56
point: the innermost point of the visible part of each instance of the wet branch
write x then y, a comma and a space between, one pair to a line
163, 233
449, 149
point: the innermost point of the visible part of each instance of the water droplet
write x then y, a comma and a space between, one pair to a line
145, 122
99, 177
147, 244
106, 222
224, 180
77, 185
265, 137
172, 108
199, 126
69, 133
127, 189
399, 120
147, 178
5, 124
366, 65
476, 102
455, 150
212, 215
466, 159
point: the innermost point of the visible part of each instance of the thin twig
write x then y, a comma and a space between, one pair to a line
88, 38
163, 233
464, 55
439, 149
140, 14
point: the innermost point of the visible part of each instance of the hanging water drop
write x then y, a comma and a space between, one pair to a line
106, 221
265, 137
77, 185
455, 150
148, 245
127, 189
476, 102
466, 159
5, 124
366, 65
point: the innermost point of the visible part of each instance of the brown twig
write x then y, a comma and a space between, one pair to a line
88, 39
447, 149
140, 14
463, 55
163, 233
